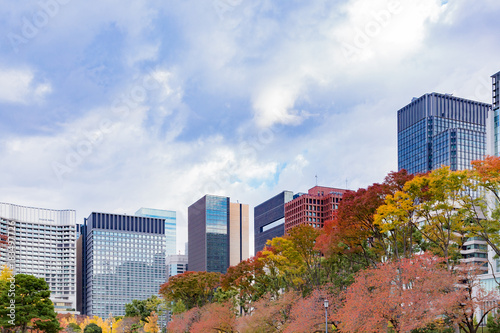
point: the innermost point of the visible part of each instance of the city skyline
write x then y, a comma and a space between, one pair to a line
157, 104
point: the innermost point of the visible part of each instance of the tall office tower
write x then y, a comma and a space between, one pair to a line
176, 264
43, 244
269, 219
170, 225
496, 112
125, 260
217, 234
314, 208
437, 129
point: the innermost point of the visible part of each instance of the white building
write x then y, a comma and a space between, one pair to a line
42, 243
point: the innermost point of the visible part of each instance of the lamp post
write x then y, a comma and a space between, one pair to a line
326, 315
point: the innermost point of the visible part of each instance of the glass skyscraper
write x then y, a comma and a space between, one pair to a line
440, 129
269, 219
170, 225
125, 260
211, 242
42, 243
496, 111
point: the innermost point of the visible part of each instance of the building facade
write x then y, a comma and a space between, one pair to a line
269, 219
217, 234
496, 113
125, 260
170, 226
43, 244
315, 207
176, 264
440, 129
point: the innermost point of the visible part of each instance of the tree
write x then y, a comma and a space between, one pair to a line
353, 233
406, 294
143, 308
442, 209
493, 323
31, 301
92, 328
216, 317
182, 322
126, 324
192, 288
270, 314
151, 325
246, 281
469, 297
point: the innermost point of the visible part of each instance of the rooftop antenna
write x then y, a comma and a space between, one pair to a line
316, 180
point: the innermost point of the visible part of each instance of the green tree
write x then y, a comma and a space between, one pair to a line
92, 328
28, 302
493, 323
144, 308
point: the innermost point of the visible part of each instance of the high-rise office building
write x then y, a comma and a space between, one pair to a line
176, 264
43, 245
496, 113
125, 260
269, 219
315, 207
440, 129
170, 225
217, 234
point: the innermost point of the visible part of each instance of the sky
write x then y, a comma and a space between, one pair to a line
110, 106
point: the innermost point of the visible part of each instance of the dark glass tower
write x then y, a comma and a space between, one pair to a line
438, 129
269, 219
124, 259
208, 234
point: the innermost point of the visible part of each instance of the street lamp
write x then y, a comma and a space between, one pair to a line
326, 315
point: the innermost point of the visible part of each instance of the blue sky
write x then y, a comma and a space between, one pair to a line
110, 107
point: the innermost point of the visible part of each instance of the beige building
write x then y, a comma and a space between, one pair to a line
239, 237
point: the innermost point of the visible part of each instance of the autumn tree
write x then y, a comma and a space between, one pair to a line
353, 233
270, 314
192, 288
245, 281
442, 210
469, 296
151, 323
486, 174
406, 294
216, 317
183, 322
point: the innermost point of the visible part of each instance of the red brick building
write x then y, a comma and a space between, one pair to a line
313, 208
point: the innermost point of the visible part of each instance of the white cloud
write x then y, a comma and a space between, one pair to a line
17, 86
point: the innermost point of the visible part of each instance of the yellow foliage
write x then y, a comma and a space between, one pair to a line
103, 324
152, 325
5, 273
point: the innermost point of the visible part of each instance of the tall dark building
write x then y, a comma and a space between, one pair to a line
123, 258
440, 129
217, 234
269, 219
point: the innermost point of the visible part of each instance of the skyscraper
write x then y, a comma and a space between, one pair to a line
269, 219
496, 112
125, 260
217, 234
43, 244
170, 225
315, 207
440, 129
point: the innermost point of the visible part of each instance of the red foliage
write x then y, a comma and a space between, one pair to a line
215, 317
182, 323
407, 294
353, 225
